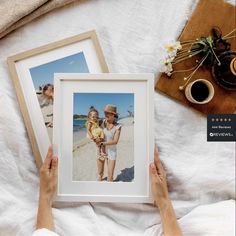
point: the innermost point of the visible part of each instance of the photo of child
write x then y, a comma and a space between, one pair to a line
103, 140
45, 98
43, 76
95, 132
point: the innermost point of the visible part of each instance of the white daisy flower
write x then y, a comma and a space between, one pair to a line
173, 47
166, 65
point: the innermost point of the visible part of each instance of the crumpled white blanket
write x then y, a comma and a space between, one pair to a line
200, 174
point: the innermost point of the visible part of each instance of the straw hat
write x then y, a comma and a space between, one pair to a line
111, 109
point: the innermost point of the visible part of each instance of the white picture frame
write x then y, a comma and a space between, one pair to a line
142, 86
21, 69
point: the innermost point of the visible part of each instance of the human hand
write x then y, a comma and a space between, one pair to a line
98, 141
158, 181
48, 176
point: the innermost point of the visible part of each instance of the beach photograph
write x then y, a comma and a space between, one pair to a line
103, 137
42, 77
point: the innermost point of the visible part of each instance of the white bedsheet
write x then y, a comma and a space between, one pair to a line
200, 174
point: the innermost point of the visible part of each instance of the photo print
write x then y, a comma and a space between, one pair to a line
103, 137
42, 77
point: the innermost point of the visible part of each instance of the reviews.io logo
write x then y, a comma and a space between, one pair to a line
221, 127
221, 134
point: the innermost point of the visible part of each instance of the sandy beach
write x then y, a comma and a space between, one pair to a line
85, 161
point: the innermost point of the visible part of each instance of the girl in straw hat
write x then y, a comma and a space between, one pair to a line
112, 131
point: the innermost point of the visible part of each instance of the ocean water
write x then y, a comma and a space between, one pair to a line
79, 130
78, 124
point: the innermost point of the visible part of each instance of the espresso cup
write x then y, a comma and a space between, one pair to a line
200, 91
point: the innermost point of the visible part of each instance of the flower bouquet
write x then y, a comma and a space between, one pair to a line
205, 49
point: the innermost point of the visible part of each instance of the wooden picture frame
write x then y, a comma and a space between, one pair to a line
136, 134
84, 47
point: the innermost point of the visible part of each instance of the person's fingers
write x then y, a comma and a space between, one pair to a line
156, 156
54, 166
48, 159
153, 172
153, 168
157, 161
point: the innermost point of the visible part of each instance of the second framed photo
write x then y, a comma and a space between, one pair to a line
32, 73
103, 136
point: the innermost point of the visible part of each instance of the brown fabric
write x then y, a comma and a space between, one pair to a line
16, 13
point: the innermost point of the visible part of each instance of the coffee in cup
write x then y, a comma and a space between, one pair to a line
200, 91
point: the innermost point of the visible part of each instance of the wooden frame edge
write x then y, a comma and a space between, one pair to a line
24, 112
36, 51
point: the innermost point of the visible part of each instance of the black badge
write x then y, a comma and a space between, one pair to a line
221, 127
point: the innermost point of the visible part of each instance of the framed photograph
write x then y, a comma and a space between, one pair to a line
103, 136
32, 73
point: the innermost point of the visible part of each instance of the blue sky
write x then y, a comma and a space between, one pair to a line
44, 74
83, 101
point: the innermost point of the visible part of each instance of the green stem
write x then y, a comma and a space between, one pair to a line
191, 75
197, 52
182, 51
219, 63
182, 71
189, 50
179, 60
189, 47
186, 55
182, 58
188, 41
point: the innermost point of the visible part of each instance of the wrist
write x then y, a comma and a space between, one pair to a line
163, 203
45, 199
166, 210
